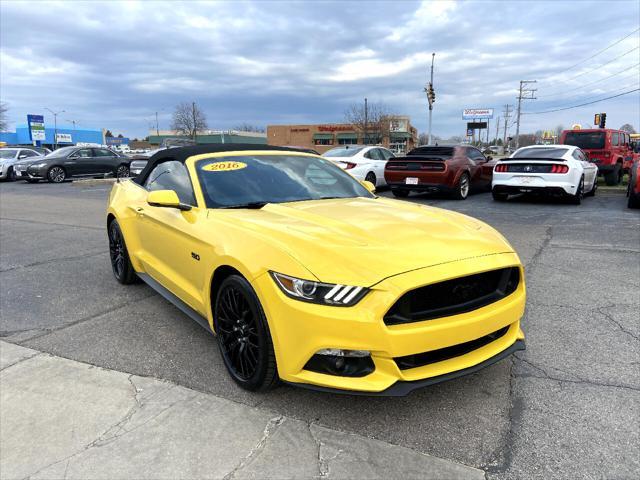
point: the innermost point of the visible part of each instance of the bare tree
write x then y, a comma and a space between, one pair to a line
627, 127
423, 139
247, 127
3, 117
188, 119
374, 121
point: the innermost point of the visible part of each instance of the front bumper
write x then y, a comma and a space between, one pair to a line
23, 173
299, 330
421, 187
511, 183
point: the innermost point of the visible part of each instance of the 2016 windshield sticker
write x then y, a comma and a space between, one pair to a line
224, 166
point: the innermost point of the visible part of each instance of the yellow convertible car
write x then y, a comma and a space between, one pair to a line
308, 277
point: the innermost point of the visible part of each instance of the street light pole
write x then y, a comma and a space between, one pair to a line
366, 121
433, 55
157, 127
55, 126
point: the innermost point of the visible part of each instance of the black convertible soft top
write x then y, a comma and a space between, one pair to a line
181, 154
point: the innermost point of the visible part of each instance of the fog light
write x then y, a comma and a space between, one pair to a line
344, 363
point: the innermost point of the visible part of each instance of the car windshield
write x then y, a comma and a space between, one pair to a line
257, 179
61, 152
7, 153
342, 152
586, 140
551, 152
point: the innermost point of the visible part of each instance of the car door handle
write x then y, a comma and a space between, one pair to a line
140, 211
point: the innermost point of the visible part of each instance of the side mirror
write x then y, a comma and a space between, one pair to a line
489, 157
368, 185
21, 156
166, 199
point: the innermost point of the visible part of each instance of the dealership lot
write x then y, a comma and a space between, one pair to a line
567, 406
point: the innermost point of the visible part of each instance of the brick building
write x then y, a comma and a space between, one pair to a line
396, 134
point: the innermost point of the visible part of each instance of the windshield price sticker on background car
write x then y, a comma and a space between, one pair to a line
224, 166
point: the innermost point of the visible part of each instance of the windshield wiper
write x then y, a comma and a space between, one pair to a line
251, 205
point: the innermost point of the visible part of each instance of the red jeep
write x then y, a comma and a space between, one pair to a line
609, 149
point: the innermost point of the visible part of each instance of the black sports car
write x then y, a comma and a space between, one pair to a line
69, 162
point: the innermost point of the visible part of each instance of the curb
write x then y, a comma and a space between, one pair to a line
93, 181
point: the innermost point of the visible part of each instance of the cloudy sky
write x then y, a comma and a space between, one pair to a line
114, 64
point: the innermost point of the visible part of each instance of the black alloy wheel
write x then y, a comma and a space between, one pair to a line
371, 177
579, 195
122, 171
56, 175
243, 335
120, 262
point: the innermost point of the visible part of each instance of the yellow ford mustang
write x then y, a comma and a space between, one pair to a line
307, 277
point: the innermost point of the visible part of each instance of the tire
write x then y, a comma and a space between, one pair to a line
499, 197
594, 189
11, 175
614, 177
371, 177
243, 336
122, 171
579, 195
634, 200
462, 188
400, 193
56, 175
119, 255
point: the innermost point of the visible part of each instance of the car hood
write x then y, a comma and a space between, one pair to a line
360, 241
29, 161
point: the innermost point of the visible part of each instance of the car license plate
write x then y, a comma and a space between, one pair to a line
411, 181
525, 180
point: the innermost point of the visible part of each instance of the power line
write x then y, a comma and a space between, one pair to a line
594, 95
600, 66
582, 104
598, 53
591, 83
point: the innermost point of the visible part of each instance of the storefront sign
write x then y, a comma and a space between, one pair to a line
472, 113
299, 129
398, 125
36, 127
335, 128
116, 141
63, 138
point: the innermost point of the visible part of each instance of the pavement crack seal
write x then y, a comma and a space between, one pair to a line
270, 428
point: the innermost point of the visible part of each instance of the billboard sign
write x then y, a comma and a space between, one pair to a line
36, 127
472, 113
398, 125
63, 138
112, 141
476, 125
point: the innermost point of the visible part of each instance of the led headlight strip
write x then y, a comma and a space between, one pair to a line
318, 292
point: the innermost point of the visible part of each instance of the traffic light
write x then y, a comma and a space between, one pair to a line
431, 94
596, 119
603, 120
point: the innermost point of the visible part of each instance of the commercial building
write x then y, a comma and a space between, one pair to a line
212, 136
65, 136
395, 133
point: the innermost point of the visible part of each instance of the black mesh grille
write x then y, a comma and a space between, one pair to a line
455, 296
434, 356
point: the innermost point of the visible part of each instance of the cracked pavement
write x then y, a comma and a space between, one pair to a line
568, 406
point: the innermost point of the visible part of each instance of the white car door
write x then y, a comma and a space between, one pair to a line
589, 169
378, 161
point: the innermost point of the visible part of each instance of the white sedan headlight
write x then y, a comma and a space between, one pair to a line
317, 292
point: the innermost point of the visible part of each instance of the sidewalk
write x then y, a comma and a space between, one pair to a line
65, 419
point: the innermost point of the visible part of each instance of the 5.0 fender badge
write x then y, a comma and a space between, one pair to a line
224, 166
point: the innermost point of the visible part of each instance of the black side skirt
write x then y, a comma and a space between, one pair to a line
183, 307
402, 388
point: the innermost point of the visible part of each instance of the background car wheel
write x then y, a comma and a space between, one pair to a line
577, 198
400, 193
499, 197
371, 177
614, 177
122, 171
462, 189
243, 336
11, 175
593, 190
120, 262
56, 175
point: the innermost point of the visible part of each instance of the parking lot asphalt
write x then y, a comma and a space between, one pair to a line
568, 406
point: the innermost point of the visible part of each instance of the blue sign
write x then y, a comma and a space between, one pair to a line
36, 127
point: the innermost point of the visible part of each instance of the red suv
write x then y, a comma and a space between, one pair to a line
610, 150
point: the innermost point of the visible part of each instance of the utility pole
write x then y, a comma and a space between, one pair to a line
55, 126
507, 115
525, 94
366, 122
497, 129
431, 97
157, 127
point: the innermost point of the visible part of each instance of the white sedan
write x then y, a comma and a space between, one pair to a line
363, 162
560, 170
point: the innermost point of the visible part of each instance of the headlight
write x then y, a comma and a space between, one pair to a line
316, 292
38, 165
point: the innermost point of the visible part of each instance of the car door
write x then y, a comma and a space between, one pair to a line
479, 175
105, 160
379, 161
588, 167
80, 162
171, 248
